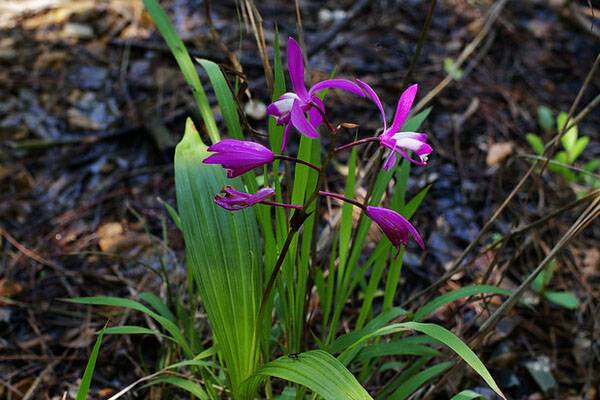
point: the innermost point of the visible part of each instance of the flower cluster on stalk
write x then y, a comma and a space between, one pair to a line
303, 110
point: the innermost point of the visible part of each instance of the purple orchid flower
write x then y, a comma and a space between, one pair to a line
290, 109
239, 156
234, 200
391, 137
395, 226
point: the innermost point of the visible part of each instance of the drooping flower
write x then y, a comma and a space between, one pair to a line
391, 137
291, 108
395, 226
239, 156
233, 200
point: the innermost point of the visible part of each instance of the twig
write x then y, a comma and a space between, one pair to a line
490, 18
421, 40
549, 149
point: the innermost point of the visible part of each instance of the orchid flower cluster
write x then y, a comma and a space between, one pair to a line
304, 111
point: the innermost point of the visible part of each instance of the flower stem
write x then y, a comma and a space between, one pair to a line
356, 143
284, 205
297, 160
343, 198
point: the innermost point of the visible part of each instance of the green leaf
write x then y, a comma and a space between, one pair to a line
172, 213
167, 324
536, 143
396, 348
158, 305
182, 383
592, 165
177, 47
451, 69
570, 137
130, 330
419, 379
440, 334
449, 297
317, 370
222, 252
578, 148
225, 98
411, 207
545, 118
467, 395
459, 347
563, 299
86, 380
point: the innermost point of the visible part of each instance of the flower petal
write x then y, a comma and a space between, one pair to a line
371, 93
286, 133
391, 160
296, 68
314, 115
404, 104
299, 121
343, 84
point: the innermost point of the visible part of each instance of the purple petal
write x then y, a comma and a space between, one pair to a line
296, 68
286, 132
314, 115
391, 160
343, 84
371, 93
299, 121
404, 104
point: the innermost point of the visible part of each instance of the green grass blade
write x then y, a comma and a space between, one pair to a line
459, 347
167, 324
222, 252
225, 98
418, 380
438, 333
177, 47
449, 297
317, 370
467, 395
346, 222
86, 380
182, 383
130, 330
396, 348
158, 305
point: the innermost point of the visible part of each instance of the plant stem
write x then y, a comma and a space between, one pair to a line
343, 198
356, 143
298, 161
284, 205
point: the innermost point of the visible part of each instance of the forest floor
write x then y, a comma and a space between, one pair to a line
92, 104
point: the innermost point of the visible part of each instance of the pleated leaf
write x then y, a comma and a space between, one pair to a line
222, 250
317, 370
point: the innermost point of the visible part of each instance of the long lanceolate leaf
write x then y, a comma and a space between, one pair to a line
317, 370
177, 47
86, 380
436, 332
222, 251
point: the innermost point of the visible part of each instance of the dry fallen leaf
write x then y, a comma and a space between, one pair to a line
9, 288
498, 152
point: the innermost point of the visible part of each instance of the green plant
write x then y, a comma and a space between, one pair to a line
255, 269
562, 299
573, 144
